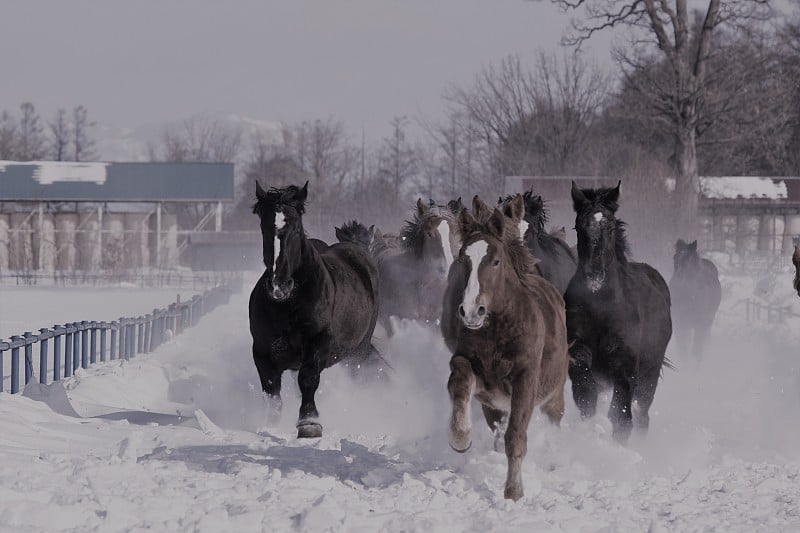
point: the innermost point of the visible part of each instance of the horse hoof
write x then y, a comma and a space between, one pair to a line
513, 493
309, 430
465, 450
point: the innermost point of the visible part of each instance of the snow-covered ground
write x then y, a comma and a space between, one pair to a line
177, 441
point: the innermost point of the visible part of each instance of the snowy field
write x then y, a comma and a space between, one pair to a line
176, 441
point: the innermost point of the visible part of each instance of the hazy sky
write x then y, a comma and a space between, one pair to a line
363, 61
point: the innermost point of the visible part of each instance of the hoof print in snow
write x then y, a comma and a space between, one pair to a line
309, 430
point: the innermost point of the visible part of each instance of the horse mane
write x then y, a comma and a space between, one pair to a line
354, 232
536, 213
411, 232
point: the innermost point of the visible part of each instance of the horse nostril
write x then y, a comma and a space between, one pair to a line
461, 311
481, 310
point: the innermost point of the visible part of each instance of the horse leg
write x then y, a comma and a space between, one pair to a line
620, 409
497, 421
308, 425
700, 336
523, 394
643, 395
461, 386
584, 386
554, 407
270, 377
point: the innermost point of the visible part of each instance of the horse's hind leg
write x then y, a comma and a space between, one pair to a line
700, 336
461, 386
554, 407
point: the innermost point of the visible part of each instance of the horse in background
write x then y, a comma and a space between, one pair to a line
557, 261
311, 308
356, 233
696, 294
618, 316
505, 326
413, 268
796, 261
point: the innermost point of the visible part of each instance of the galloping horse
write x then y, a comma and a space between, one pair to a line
505, 326
314, 305
696, 294
796, 261
618, 316
557, 261
413, 269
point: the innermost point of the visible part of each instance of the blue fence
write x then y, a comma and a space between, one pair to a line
80, 344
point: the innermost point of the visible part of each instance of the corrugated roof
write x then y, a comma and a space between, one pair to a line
115, 182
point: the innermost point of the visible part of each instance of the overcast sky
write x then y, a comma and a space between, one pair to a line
363, 61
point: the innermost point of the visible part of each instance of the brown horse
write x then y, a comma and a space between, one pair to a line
506, 328
796, 261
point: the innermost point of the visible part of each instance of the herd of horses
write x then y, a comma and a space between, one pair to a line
518, 308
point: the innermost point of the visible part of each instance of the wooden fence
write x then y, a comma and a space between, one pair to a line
81, 344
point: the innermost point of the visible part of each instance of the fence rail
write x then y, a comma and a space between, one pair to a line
163, 278
773, 314
87, 342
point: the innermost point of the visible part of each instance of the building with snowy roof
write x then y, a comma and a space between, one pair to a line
88, 216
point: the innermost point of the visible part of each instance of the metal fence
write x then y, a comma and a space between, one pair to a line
195, 280
81, 344
772, 314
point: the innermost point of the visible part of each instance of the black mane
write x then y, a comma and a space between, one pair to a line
276, 198
412, 231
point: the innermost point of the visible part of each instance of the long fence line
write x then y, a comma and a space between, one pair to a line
194, 280
774, 314
87, 342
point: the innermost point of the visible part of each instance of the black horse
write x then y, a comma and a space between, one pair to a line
796, 262
696, 294
618, 316
557, 260
315, 305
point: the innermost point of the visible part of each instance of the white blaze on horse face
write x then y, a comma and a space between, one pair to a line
523, 227
476, 252
444, 233
598, 216
280, 222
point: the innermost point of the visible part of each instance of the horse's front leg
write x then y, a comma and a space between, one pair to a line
461, 386
523, 395
308, 425
620, 409
270, 377
584, 386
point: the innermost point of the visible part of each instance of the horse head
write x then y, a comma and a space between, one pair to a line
601, 237
281, 214
485, 259
686, 256
429, 238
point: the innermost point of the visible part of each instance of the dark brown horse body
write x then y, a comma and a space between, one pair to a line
413, 268
505, 326
696, 294
618, 317
796, 261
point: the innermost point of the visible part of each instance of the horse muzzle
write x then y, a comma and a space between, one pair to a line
474, 318
282, 291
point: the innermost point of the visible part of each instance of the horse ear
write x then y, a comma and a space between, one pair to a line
371, 233
479, 208
302, 194
466, 222
496, 223
611, 199
578, 198
261, 194
693, 246
516, 208
420, 206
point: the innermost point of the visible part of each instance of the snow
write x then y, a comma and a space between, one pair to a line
733, 187
177, 440
49, 172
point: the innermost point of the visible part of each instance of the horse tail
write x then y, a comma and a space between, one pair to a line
669, 364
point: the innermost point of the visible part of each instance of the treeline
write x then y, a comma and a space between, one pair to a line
25, 136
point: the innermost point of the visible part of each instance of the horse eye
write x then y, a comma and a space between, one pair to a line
496, 262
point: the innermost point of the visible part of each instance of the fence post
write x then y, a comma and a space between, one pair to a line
103, 327
93, 340
15, 365
28, 356
43, 356
76, 347
113, 351
2, 378
57, 352
67, 351
140, 335
132, 338
84, 344
147, 333
121, 352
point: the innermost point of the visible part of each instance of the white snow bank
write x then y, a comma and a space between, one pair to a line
49, 172
733, 187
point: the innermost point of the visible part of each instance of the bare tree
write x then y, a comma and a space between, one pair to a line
197, 140
31, 142
8, 136
680, 95
59, 135
82, 143
398, 159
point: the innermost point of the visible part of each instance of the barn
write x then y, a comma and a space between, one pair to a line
91, 216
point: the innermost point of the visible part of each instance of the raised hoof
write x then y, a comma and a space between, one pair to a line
309, 430
465, 450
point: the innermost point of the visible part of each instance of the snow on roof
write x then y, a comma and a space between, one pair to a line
732, 187
49, 172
